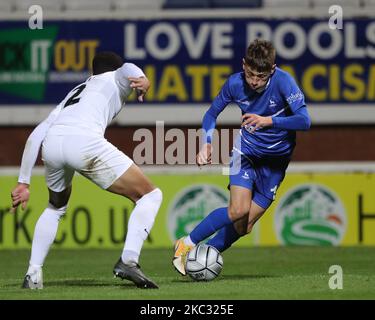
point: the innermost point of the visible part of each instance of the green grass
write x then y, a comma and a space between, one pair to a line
254, 273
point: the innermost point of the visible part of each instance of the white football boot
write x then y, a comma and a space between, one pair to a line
33, 278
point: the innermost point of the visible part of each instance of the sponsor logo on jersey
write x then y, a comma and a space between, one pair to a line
310, 214
191, 205
295, 97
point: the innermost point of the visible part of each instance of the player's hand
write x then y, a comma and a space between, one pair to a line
141, 85
255, 121
20, 195
204, 156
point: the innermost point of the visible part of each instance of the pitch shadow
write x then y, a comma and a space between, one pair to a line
86, 283
245, 276
230, 277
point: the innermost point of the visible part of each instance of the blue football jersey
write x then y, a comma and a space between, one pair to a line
281, 98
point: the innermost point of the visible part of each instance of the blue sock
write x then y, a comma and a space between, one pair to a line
209, 225
224, 238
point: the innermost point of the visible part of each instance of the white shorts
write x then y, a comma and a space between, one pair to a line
93, 157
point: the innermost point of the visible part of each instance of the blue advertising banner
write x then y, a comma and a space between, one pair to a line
187, 60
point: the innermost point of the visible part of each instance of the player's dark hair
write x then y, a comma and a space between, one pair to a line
106, 61
260, 55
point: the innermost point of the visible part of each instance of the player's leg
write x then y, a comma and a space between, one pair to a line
58, 180
232, 232
229, 234
269, 176
47, 224
242, 174
256, 212
115, 172
241, 182
239, 206
133, 184
44, 234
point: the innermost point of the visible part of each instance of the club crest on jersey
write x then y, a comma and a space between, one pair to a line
272, 104
246, 176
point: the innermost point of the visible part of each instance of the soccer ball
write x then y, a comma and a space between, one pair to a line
203, 263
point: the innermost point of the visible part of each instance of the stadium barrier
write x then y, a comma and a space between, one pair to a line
317, 204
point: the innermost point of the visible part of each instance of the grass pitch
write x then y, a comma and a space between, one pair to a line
255, 273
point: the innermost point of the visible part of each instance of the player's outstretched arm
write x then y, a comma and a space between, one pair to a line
20, 194
33, 143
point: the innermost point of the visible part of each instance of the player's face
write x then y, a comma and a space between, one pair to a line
256, 80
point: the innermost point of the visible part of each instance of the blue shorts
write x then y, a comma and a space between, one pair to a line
261, 175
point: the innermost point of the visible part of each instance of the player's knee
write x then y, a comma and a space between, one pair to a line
156, 195
59, 211
140, 191
59, 199
150, 204
238, 211
241, 230
57, 203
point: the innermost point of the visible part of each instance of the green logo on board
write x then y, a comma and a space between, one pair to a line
310, 215
191, 205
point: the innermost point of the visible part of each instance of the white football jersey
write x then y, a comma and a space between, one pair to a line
91, 106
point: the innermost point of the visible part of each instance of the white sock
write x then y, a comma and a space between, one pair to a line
33, 268
140, 224
44, 234
187, 240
